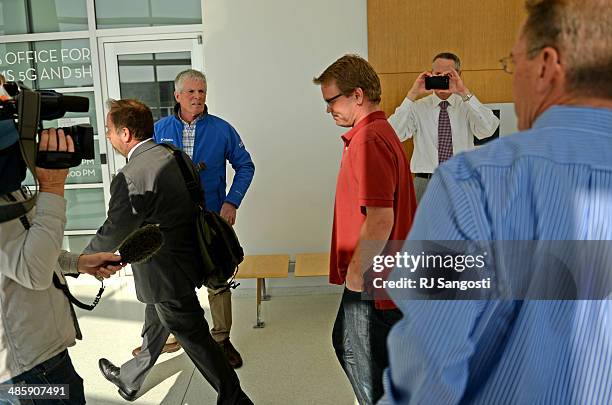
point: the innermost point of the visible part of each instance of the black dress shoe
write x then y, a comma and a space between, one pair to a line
232, 355
111, 373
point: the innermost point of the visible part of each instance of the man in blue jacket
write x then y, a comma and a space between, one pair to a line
210, 142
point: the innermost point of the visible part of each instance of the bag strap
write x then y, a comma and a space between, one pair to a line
27, 128
197, 195
193, 184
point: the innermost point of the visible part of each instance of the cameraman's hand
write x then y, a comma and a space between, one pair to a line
99, 264
52, 180
418, 87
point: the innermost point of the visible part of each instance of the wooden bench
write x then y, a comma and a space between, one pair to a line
311, 264
261, 267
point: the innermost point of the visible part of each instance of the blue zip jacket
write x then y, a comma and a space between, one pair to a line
216, 142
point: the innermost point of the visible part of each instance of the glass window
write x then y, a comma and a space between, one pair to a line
85, 208
147, 13
76, 243
48, 64
58, 15
13, 63
150, 78
89, 171
13, 18
32, 16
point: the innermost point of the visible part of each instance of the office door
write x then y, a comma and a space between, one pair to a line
145, 70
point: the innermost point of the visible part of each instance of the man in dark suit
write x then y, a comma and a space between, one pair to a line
150, 189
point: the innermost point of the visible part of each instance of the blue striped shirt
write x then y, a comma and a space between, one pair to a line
553, 182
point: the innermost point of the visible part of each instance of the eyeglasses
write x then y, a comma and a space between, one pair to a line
508, 64
330, 101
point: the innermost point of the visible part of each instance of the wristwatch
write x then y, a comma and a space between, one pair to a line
467, 97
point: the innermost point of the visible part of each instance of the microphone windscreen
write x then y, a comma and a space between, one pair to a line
141, 244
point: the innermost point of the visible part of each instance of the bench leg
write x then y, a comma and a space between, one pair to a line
260, 285
265, 296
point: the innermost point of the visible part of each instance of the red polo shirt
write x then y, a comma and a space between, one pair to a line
374, 172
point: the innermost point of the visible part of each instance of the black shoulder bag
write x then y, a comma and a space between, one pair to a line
218, 244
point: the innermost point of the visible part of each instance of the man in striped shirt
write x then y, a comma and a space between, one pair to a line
550, 182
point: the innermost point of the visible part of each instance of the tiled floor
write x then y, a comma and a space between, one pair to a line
290, 361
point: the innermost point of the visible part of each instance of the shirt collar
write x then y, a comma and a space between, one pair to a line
135, 147
371, 117
453, 100
584, 118
177, 110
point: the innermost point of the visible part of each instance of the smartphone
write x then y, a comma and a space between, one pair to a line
437, 82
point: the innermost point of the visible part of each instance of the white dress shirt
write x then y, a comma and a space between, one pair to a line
420, 119
131, 151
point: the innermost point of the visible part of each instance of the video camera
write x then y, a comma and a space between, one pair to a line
29, 108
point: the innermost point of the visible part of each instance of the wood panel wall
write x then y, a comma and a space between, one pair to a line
404, 35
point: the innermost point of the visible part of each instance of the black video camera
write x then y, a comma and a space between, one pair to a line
30, 108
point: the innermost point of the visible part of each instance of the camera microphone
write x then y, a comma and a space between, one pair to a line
141, 244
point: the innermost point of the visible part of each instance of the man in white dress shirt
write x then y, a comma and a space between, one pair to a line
444, 123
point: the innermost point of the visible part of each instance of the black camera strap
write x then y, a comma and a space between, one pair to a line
18, 209
27, 128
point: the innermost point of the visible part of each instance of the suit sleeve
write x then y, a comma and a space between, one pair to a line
242, 164
123, 217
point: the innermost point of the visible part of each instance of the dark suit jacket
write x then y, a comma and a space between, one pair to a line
150, 189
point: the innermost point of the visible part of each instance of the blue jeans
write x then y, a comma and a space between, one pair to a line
359, 338
57, 370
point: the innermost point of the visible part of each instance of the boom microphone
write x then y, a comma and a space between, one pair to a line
137, 247
141, 244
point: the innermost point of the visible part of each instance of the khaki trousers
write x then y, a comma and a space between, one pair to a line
221, 313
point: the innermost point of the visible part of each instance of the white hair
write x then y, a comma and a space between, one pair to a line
189, 74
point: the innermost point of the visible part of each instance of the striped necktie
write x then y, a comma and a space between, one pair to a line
445, 137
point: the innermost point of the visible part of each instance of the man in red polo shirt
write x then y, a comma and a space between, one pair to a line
375, 203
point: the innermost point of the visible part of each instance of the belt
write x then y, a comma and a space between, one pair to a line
423, 175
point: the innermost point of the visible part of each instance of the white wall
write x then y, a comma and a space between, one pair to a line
260, 58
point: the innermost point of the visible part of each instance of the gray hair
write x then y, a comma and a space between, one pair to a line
449, 56
189, 74
581, 31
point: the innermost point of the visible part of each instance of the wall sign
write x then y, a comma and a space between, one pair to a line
63, 64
